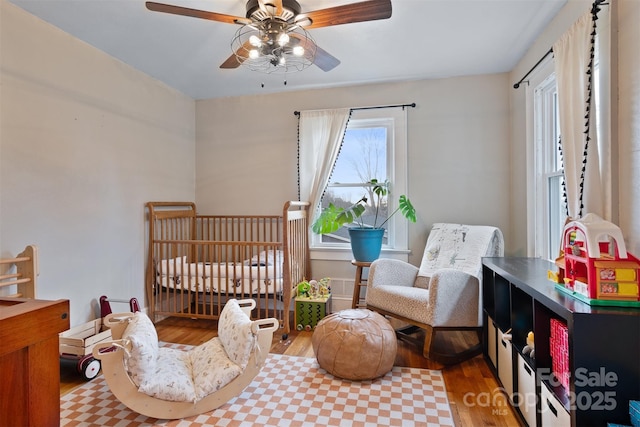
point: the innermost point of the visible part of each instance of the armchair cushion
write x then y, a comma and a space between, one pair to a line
405, 301
454, 299
451, 300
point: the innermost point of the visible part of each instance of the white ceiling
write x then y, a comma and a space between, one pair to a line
422, 39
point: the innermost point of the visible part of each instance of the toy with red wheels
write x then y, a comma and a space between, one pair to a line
87, 365
76, 344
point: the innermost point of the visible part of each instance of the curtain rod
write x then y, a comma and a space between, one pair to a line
517, 85
412, 105
594, 10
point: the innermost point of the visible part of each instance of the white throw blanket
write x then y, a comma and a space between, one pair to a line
461, 247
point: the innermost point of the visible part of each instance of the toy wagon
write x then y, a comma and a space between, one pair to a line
77, 344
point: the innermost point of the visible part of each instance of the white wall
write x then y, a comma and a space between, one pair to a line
85, 141
458, 169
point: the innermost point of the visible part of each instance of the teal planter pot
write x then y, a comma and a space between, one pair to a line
366, 243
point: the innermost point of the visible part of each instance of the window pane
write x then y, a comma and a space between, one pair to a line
555, 148
345, 196
549, 209
556, 215
363, 156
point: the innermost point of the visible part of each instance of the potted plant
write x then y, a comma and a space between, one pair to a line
366, 240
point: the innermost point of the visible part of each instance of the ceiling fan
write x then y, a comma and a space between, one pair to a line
273, 35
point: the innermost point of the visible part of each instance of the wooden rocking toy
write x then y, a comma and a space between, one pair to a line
167, 383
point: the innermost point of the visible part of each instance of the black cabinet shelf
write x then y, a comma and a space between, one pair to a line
603, 342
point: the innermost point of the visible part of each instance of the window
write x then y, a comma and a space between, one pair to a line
550, 211
546, 204
374, 147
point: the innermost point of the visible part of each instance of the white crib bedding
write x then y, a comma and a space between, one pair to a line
257, 275
206, 270
225, 285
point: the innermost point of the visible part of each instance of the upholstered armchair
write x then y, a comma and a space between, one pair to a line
445, 292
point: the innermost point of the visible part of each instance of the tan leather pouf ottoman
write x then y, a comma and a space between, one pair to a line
355, 344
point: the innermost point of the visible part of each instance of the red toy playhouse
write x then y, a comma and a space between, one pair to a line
596, 267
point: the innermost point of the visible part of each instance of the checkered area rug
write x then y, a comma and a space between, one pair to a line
289, 391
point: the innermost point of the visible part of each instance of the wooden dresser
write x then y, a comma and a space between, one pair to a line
30, 361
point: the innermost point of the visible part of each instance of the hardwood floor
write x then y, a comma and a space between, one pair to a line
474, 394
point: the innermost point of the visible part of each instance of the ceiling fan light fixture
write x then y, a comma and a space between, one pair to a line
283, 39
289, 49
255, 41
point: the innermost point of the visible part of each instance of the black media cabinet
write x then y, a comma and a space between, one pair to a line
603, 347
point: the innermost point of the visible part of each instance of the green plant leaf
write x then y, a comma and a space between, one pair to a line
328, 221
380, 189
332, 218
407, 209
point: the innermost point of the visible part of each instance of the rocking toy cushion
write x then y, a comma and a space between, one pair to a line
234, 330
188, 376
172, 377
212, 368
142, 359
164, 373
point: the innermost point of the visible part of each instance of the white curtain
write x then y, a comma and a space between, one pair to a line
320, 136
573, 56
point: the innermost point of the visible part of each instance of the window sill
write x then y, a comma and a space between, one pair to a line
344, 254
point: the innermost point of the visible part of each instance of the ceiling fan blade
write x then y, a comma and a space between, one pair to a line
278, 5
323, 59
231, 62
369, 10
234, 61
195, 13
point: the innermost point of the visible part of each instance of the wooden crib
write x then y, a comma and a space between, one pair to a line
18, 275
197, 262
